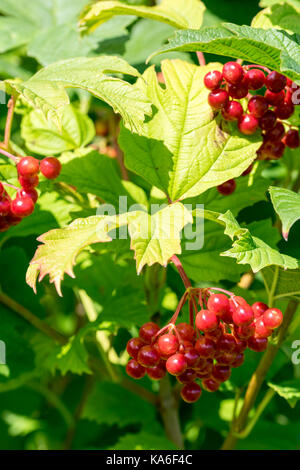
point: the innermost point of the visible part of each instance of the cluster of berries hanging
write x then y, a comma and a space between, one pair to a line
12, 211
267, 111
205, 350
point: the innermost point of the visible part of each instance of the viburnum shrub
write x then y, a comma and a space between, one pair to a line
159, 196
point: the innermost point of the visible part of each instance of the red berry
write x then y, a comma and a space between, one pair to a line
218, 304
244, 332
226, 343
275, 81
274, 99
191, 356
276, 133
22, 207
233, 72
248, 124
206, 320
215, 334
259, 308
272, 318
238, 91
243, 315
213, 79
31, 192
257, 344
248, 170
232, 111
12, 219
50, 167
186, 331
218, 98
191, 392
4, 206
29, 182
28, 166
226, 358
167, 344
205, 347
261, 331
255, 79
238, 360
210, 385
133, 346
135, 370
188, 376
268, 120
227, 188
148, 356
176, 364
292, 139
147, 331
257, 106
157, 372
221, 373
285, 110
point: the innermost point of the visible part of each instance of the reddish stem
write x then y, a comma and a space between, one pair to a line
191, 311
265, 69
9, 119
179, 307
185, 279
201, 58
9, 155
231, 294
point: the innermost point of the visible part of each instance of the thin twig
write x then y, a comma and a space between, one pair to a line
183, 275
10, 114
169, 412
201, 58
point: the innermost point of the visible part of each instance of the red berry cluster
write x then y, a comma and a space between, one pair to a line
12, 211
206, 351
264, 111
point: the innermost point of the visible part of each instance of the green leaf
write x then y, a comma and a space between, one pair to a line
287, 205
43, 137
143, 441
279, 16
184, 150
282, 282
46, 90
289, 390
180, 14
268, 3
247, 249
271, 48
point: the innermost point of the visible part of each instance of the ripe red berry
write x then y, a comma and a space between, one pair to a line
12, 219
186, 331
167, 344
50, 167
243, 315
191, 392
206, 320
255, 79
238, 91
238, 360
275, 81
28, 166
274, 99
233, 72
191, 356
257, 344
261, 330
259, 308
2, 190
257, 106
133, 346
213, 79
226, 343
227, 188
226, 358
215, 334
218, 304
248, 124
22, 207
218, 98
148, 356
205, 347
157, 372
244, 332
248, 170
4, 206
188, 376
276, 133
232, 111
147, 331
221, 373
292, 139
176, 364
210, 385
285, 110
31, 192
272, 318
29, 182
135, 370
268, 120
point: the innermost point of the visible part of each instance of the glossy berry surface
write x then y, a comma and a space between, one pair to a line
232, 111
186, 331
218, 98
243, 315
50, 167
133, 346
272, 318
221, 373
213, 79
248, 124
147, 331
157, 372
210, 385
255, 79
4, 206
292, 139
28, 166
284, 110
218, 303
205, 347
257, 106
176, 364
206, 320
188, 376
261, 329
268, 120
227, 188
29, 182
148, 356
259, 308
135, 370
257, 344
191, 392
274, 99
31, 192
233, 72
22, 207
275, 81
168, 344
